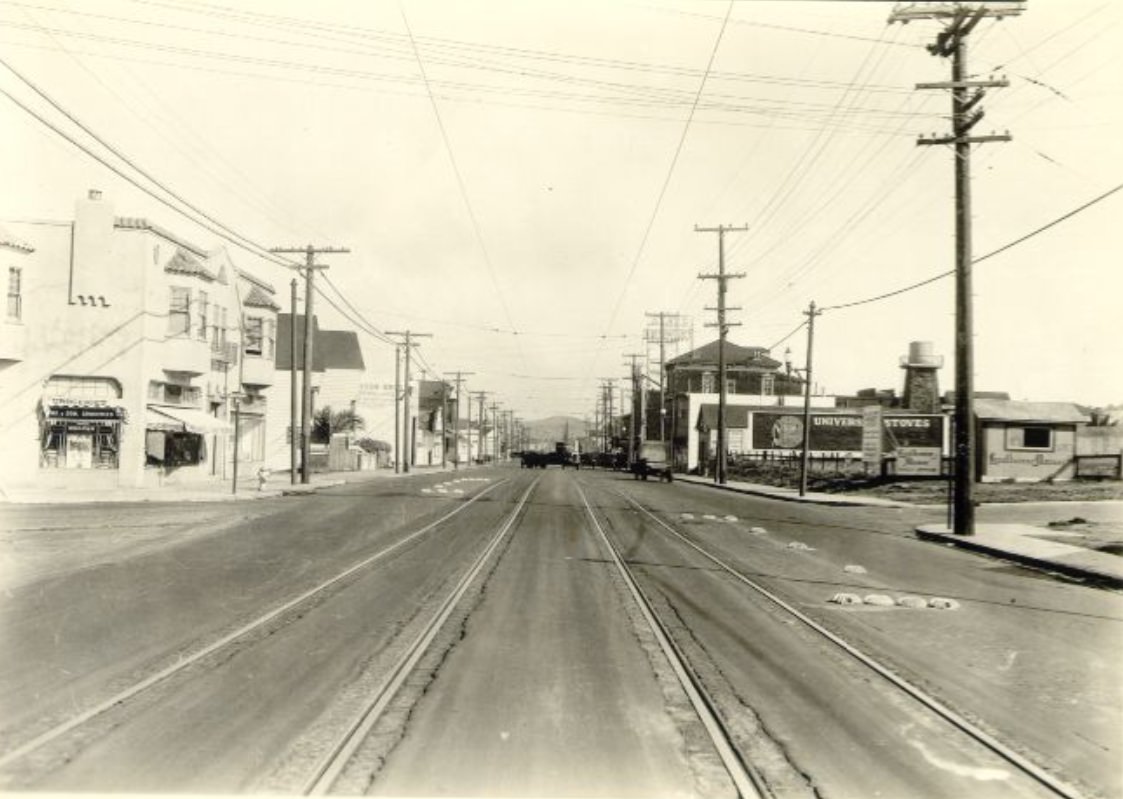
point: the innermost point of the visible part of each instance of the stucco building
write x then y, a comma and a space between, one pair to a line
129, 355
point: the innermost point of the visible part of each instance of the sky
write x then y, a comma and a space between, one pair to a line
523, 180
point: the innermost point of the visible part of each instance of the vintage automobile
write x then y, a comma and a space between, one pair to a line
652, 459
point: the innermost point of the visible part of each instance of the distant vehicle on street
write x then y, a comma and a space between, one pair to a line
652, 460
561, 456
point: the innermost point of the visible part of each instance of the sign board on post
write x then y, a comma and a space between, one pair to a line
871, 436
919, 461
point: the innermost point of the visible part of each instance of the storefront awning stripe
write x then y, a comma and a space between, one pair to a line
184, 420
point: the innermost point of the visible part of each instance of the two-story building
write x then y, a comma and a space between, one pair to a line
130, 364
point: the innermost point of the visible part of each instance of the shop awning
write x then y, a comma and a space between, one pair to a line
179, 420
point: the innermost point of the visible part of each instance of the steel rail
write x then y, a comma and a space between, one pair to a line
1022, 763
332, 765
123, 696
749, 785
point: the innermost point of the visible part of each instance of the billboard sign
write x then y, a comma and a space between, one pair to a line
843, 432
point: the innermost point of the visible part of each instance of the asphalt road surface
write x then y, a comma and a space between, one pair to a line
227, 648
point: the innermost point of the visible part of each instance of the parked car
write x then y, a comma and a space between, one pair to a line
652, 459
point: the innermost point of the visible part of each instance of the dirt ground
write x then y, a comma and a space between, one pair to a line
923, 492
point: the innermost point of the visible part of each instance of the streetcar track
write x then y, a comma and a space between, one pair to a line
1007, 753
748, 782
186, 661
334, 763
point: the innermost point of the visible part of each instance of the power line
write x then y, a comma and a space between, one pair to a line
1035, 232
670, 170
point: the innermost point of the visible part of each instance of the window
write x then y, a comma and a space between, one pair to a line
730, 385
204, 306
15, 299
1030, 437
768, 385
270, 338
253, 335
179, 312
708, 383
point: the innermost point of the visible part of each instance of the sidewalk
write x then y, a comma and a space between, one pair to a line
1027, 544
277, 485
791, 494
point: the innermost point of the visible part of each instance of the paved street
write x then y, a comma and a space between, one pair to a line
542, 679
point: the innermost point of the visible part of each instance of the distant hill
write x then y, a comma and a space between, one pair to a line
553, 428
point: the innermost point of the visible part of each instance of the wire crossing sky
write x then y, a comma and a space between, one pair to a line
522, 179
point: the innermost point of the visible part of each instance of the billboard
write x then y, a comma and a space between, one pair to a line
836, 432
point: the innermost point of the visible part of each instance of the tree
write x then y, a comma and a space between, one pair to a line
328, 422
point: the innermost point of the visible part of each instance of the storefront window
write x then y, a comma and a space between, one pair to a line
170, 449
80, 445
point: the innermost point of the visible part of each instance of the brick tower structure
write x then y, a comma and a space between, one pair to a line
922, 388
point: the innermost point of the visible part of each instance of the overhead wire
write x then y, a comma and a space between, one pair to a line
1021, 239
667, 178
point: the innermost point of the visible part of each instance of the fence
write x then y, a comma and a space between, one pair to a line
829, 464
1099, 467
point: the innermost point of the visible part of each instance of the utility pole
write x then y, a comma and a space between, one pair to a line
608, 385
723, 327
662, 317
408, 344
397, 408
292, 385
959, 20
480, 395
805, 456
635, 432
310, 268
495, 433
456, 425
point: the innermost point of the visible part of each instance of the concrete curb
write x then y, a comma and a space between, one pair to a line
1087, 574
786, 496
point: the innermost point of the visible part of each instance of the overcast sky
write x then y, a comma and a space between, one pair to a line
522, 179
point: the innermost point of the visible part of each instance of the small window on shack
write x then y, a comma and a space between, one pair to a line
1030, 437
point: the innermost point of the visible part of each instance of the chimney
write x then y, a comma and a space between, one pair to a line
922, 388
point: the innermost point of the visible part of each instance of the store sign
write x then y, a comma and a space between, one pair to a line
919, 461
84, 413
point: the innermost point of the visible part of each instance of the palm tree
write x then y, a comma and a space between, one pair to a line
328, 422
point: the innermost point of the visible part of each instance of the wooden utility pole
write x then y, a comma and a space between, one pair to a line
480, 396
310, 268
662, 316
397, 408
408, 344
608, 386
636, 433
456, 423
292, 385
495, 432
805, 456
960, 19
723, 327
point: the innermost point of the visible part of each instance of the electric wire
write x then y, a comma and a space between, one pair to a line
1021, 239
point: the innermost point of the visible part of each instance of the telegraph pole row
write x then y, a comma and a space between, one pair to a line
723, 327
960, 20
310, 268
407, 438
